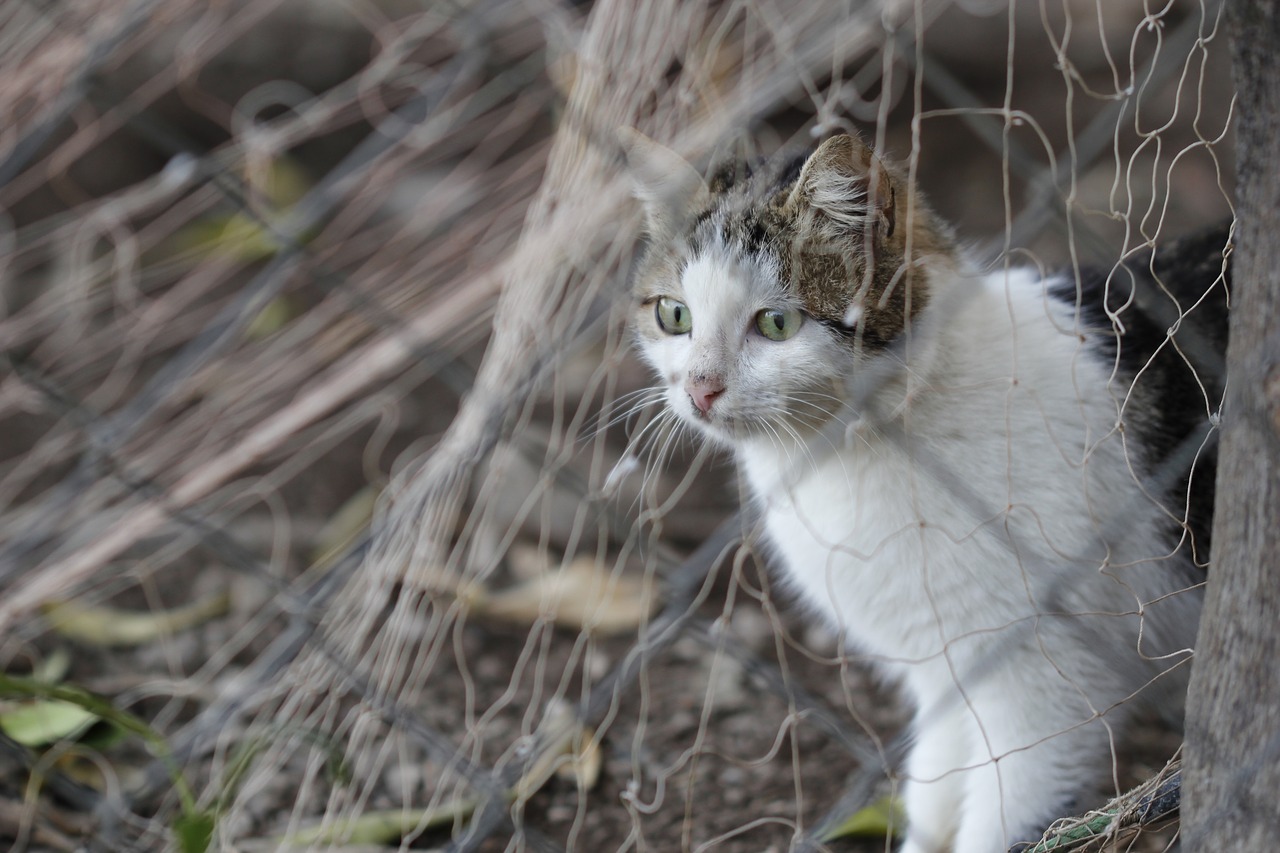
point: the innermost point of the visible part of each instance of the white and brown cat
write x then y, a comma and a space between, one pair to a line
981, 478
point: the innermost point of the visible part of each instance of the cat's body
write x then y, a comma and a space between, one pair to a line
945, 466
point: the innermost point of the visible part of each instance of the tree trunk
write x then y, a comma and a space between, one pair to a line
1232, 761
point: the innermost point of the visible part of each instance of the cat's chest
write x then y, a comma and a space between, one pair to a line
823, 507
876, 547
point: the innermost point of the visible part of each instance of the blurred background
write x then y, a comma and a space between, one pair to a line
326, 520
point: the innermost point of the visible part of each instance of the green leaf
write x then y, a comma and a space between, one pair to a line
194, 831
53, 668
274, 316
245, 236
29, 688
231, 236
43, 722
881, 819
103, 736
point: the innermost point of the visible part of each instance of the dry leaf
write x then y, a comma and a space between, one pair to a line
570, 751
108, 626
587, 760
384, 827
582, 596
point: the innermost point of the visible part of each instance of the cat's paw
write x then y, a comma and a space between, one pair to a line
916, 845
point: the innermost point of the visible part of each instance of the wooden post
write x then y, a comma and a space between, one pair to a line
1232, 760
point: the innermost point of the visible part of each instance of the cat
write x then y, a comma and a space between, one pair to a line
984, 480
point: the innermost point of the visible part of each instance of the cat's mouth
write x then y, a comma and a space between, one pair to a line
709, 419
703, 416
723, 422
717, 421
727, 422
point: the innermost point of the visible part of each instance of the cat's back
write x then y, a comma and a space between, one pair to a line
1158, 323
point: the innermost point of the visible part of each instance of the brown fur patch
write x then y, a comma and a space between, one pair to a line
861, 238
842, 225
835, 259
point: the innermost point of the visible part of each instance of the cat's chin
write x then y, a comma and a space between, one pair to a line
735, 432
713, 428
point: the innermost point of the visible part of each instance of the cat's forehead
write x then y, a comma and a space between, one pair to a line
744, 233
737, 238
739, 226
746, 209
724, 271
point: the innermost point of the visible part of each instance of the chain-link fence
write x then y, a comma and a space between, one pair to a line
332, 514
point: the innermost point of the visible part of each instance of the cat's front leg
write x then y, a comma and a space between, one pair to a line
1031, 764
933, 793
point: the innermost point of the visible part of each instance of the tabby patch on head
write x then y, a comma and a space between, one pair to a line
835, 227
761, 286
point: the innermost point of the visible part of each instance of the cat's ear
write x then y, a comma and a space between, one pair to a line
848, 186
670, 189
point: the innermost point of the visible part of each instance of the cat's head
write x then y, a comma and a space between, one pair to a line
764, 287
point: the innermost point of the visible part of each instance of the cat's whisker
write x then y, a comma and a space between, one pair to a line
805, 445
852, 426
779, 425
624, 408
652, 459
667, 437
654, 431
620, 471
637, 442
674, 439
823, 413
776, 439
661, 434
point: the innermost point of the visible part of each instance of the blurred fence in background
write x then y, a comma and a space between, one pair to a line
315, 439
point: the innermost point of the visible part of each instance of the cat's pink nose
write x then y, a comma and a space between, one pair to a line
703, 392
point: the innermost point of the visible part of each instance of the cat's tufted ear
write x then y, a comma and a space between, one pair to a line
847, 186
670, 189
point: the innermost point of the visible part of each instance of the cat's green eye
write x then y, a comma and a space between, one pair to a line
673, 316
778, 324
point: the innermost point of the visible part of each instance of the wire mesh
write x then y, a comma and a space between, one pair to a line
315, 313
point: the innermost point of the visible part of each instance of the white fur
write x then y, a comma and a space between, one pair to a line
972, 524
842, 200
